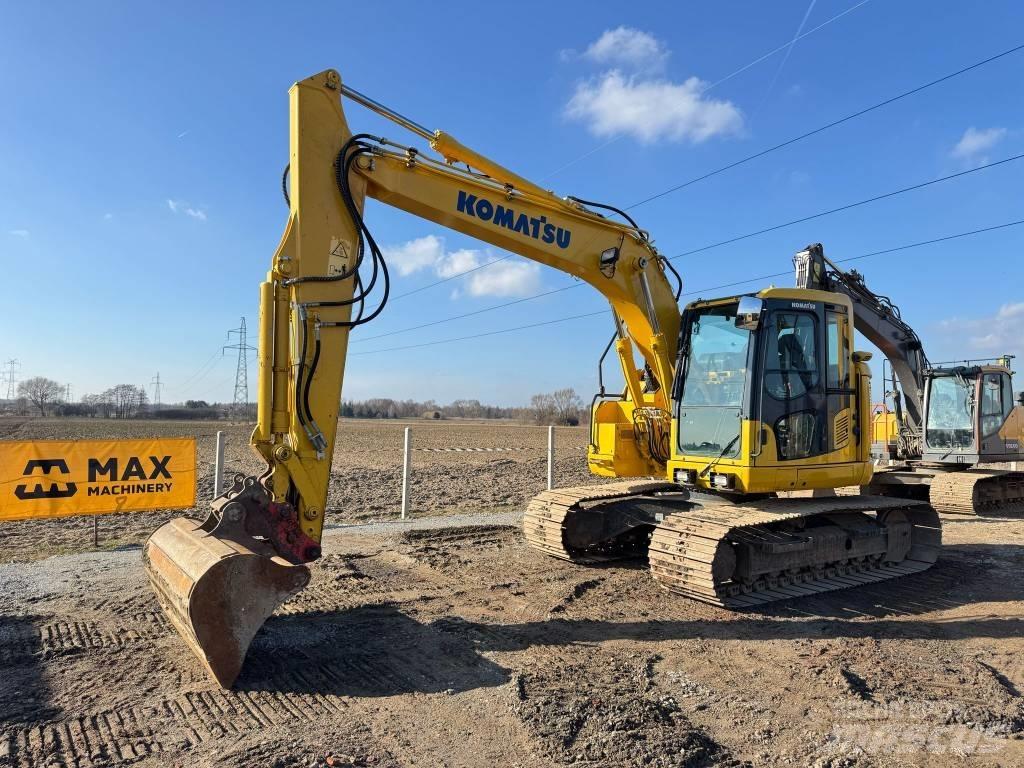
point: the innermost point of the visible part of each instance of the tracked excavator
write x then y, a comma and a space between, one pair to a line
724, 404
949, 419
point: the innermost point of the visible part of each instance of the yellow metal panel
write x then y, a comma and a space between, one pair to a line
52, 478
614, 451
884, 428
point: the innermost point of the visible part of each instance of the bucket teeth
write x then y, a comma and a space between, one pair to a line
217, 593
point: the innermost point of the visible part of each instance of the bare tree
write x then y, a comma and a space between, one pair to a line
41, 392
126, 400
567, 406
563, 406
542, 407
101, 404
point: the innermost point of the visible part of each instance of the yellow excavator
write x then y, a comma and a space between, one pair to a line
726, 404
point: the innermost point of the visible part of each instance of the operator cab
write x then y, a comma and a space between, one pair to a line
970, 415
766, 389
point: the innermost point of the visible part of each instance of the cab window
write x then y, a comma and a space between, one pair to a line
950, 419
836, 376
791, 355
993, 409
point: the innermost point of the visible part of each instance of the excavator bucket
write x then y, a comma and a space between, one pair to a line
217, 592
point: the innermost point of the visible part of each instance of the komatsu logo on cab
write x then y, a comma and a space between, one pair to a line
502, 216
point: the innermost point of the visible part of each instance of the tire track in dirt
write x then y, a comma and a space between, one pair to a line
111, 737
70, 636
185, 721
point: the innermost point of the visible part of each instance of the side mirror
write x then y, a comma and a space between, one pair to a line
748, 316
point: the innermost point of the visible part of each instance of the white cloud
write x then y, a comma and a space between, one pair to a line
457, 262
652, 109
629, 47
179, 206
414, 255
996, 334
506, 278
631, 97
22, 233
975, 143
510, 277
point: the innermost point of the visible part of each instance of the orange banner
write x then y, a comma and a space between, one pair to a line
53, 478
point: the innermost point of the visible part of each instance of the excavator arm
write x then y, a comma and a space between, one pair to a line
220, 579
878, 319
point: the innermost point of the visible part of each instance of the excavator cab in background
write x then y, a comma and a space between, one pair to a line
971, 415
948, 419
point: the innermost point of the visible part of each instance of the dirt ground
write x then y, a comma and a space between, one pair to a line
446, 642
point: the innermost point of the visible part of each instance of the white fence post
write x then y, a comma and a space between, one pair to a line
551, 457
218, 467
405, 473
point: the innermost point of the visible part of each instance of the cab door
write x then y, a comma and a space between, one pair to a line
840, 392
794, 404
996, 408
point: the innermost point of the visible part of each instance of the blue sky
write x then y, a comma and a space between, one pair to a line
142, 146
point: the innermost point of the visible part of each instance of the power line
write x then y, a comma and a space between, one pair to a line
721, 80
908, 246
719, 244
202, 369
895, 249
827, 126
847, 207
785, 59
762, 153
469, 314
451, 277
784, 46
488, 333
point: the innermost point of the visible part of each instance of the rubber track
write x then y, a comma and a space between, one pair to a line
543, 521
958, 492
684, 544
